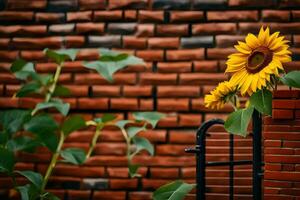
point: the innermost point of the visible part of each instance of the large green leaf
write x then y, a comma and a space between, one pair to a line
143, 144
262, 101
110, 62
13, 120
176, 190
237, 122
75, 156
28, 192
122, 123
62, 107
35, 178
292, 79
105, 118
22, 69
29, 88
50, 196
61, 91
7, 160
150, 117
72, 123
61, 55
133, 170
44, 126
132, 131
22, 143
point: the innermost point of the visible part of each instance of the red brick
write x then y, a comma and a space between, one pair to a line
275, 15
113, 195
282, 158
172, 30
282, 136
33, 43
190, 120
92, 104
92, 4
114, 4
137, 91
182, 137
188, 54
163, 43
291, 144
296, 14
214, 28
90, 28
284, 28
178, 91
97, 79
272, 166
24, 30
151, 16
272, 143
78, 90
285, 94
169, 121
74, 41
35, 56
123, 183
205, 66
173, 104
228, 40
201, 78
244, 3
219, 53
134, 42
105, 91
284, 104
278, 151
186, 16
16, 16
172, 67
164, 172
26, 4
79, 16
150, 55
8, 102
232, 15
108, 15
130, 15
146, 104
8, 55
145, 30
140, 195
282, 184
124, 104
77, 194
282, 114
282, 176
158, 79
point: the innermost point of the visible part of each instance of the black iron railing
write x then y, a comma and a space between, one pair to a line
201, 163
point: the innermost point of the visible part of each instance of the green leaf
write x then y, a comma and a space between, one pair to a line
35, 178
61, 55
29, 88
24, 191
7, 160
291, 79
150, 117
122, 123
105, 118
50, 196
262, 101
143, 144
132, 131
22, 69
44, 127
237, 122
73, 155
22, 143
13, 120
133, 170
176, 190
72, 123
62, 107
61, 91
110, 62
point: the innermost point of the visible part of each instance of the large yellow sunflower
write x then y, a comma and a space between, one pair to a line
222, 94
257, 59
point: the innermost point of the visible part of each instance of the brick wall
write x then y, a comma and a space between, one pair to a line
282, 147
185, 44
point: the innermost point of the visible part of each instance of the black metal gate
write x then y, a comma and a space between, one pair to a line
201, 163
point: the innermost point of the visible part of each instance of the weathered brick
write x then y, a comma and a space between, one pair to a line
92, 4
105, 91
50, 17
171, 4
150, 55
232, 16
228, 40
62, 28
256, 3
151, 16
25, 4
172, 30
173, 104
163, 43
145, 30
213, 28
122, 28
108, 15
33, 43
289, 3
219, 53
296, 15
134, 42
284, 28
16, 16
97, 28
167, 67
282, 114
79, 16
178, 91
137, 91
197, 42
158, 79
114, 195
135, 4
24, 30
188, 54
186, 16
92, 104
74, 41
275, 15
130, 15
62, 5
210, 4
104, 41
201, 78
205, 66
124, 104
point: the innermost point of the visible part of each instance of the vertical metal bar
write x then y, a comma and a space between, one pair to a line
201, 165
257, 160
231, 167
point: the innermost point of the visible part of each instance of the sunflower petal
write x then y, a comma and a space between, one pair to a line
252, 41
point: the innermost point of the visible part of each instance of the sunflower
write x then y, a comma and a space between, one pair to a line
258, 59
222, 94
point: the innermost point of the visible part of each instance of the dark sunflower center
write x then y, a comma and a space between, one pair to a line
259, 59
